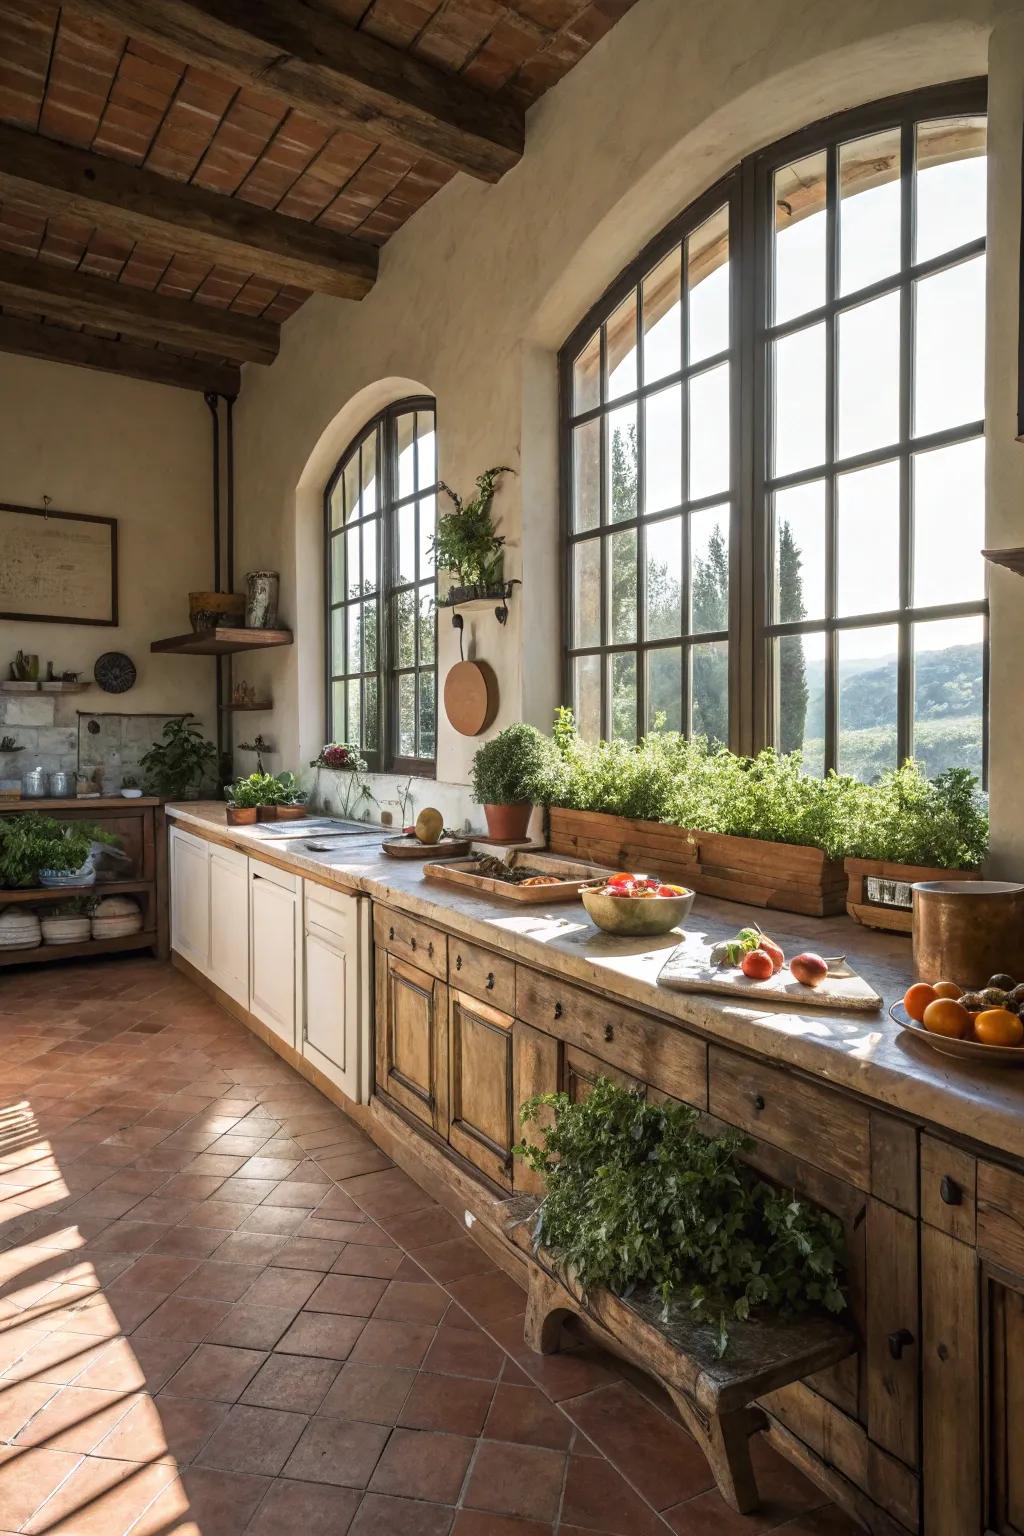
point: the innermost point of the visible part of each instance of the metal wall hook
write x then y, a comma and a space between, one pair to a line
459, 624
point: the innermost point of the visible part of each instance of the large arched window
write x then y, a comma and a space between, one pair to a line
379, 514
774, 455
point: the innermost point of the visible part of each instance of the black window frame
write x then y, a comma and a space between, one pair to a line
384, 756
748, 189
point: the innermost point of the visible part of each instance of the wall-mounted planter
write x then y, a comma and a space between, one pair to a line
879, 894
784, 876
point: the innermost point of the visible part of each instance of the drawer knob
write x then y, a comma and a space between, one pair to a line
391, 933
458, 962
558, 1010
430, 949
609, 1032
950, 1191
899, 1341
490, 981
412, 945
759, 1102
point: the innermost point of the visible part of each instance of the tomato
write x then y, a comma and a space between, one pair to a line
620, 880
670, 890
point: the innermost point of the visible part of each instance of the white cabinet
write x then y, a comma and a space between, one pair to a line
190, 898
275, 947
229, 922
336, 999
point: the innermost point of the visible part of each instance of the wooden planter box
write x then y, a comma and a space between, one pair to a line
785, 876
867, 906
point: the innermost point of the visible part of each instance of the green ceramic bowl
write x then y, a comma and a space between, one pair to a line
631, 917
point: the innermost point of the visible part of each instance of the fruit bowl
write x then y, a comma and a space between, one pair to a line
632, 917
949, 1045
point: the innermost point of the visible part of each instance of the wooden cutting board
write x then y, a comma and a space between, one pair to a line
689, 969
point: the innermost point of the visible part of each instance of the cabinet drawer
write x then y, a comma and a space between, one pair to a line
805, 1118
412, 940
948, 1183
282, 877
650, 1050
485, 975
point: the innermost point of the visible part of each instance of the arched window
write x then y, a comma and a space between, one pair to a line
379, 514
774, 455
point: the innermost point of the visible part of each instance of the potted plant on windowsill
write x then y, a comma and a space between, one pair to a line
465, 543
517, 769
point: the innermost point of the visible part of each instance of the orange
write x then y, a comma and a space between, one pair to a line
998, 1026
917, 998
945, 1016
947, 989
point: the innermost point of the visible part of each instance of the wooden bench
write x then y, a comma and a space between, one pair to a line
713, 1396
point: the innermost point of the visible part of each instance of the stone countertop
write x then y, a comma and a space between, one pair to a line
864, 1052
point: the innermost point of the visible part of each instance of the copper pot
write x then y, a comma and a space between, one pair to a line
967, 931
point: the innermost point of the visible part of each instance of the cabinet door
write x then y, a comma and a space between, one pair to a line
950, 1385
273, 950
412, 1040
336, 1009
1006, 1407
190, 898
229, 923
480, 1106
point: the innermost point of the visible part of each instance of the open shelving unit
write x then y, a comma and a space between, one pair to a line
222, 641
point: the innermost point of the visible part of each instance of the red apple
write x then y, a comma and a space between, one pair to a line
774, 950
810, 970
758, 965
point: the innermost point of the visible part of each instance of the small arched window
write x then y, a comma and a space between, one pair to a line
379, 515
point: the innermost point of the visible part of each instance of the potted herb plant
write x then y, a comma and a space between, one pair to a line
244, 798
178, 765
291, 802
517, 769
35, 849
465, 543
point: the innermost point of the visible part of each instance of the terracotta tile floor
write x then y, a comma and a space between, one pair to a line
222, 1310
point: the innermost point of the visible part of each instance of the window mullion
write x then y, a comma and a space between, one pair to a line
831, 509
905, 649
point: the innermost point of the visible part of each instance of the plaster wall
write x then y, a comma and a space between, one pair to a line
116, 447
479, 290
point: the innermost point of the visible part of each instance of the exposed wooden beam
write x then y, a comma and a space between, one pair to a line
60, 293
332, 71
191, 220
56, 345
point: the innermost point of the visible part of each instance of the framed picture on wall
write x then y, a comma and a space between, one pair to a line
57, 567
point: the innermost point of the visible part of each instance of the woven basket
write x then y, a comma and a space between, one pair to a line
116, 917
19, 930
66, 930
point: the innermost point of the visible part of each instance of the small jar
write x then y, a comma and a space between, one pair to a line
62, 784
34, 784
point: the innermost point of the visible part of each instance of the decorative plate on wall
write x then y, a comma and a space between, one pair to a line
471, 697
115, 672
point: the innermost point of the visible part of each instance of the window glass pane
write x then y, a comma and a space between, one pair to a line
869, 210
353, 638
799, 553
622, 559
799, 691
370, 659
665, 688
709, 570
337, 559
869, 376
586, 592
405, 523
337, 503
428, 714
338, 728
404, 430
407, 715
707, 283
426, 448
405, 627
369, 532
622, 463
586, 377
353, 583
623, 696
586, 476
798, 367
709, 691
664, 541
620, 332
427, 626
949, 184
350, 486
708, 441
663, 449
868, 540
799, 264
663, 319
338, 640
586, 696
371, 722
949, 523
867, 701
949, 350
355, 727
368, 498
949, 694
427, 524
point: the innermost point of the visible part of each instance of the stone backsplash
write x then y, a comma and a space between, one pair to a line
55, 732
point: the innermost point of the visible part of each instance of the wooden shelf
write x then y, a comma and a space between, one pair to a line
69, 892
80, 803
247, 709
45, 952
1013, 559
222, 641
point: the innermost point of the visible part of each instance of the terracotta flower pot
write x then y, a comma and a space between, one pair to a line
241, 815
266, 813
508, 823
292, 812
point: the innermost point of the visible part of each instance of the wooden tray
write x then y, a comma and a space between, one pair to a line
571, 875
964, 1050
412, 848
689, 969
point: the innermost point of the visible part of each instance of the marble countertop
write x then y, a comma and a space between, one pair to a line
863, 1052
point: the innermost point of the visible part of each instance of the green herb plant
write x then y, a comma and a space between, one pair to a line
290, 792
255, 789
518, 764
464, 541
32, 842
180, 763
637, 1196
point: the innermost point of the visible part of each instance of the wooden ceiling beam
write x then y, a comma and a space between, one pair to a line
78, 298
305, 55
54, 344
226, 231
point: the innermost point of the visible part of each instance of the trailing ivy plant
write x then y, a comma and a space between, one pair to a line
636, 1195
464, 541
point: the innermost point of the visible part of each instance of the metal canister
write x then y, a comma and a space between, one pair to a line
968, 930
34, 784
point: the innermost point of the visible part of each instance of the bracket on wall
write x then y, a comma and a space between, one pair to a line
480, 597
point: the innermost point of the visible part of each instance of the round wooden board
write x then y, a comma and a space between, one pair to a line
412, 848
470, 697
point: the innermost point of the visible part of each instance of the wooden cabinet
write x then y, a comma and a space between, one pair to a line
482, 973
336, 987
229, 922
275, 939
481, 1111
190, 898
418, 943
951, 1426
412, 1040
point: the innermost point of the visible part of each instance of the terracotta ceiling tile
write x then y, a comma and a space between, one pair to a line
399, 22
90, 41
551, 14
